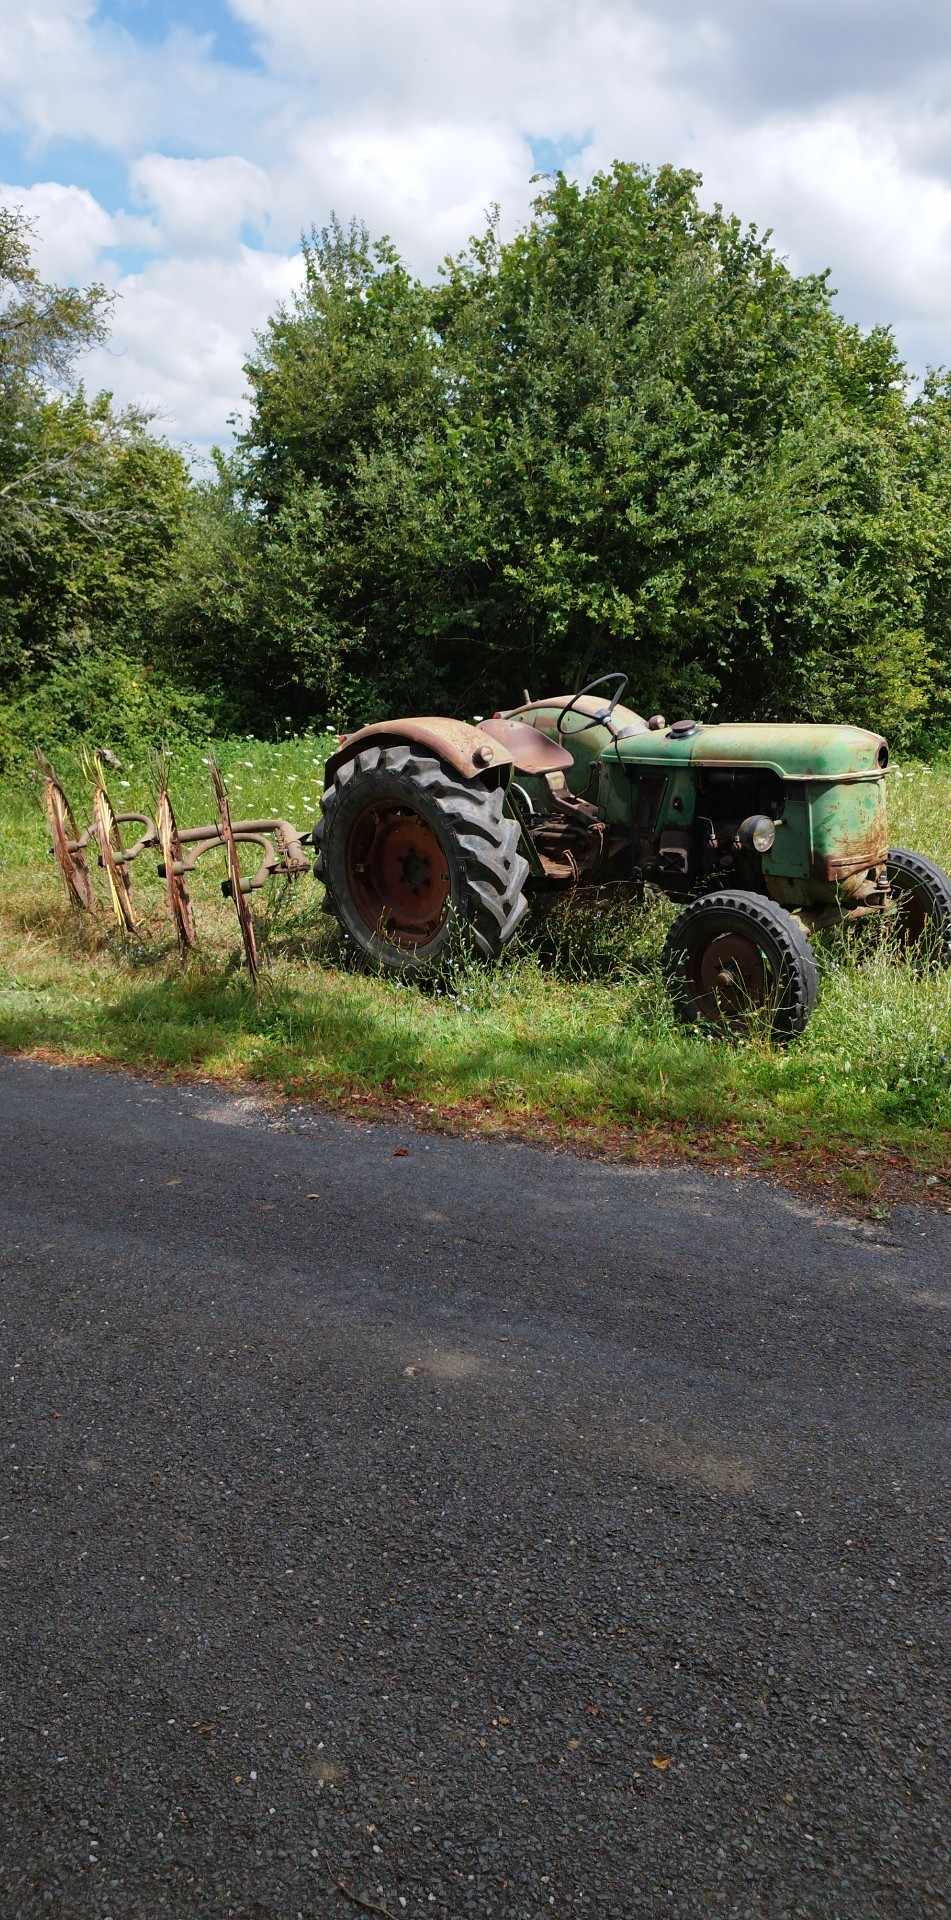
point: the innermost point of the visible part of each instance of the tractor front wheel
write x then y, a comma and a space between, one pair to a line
405, 847
922, 896
731, 959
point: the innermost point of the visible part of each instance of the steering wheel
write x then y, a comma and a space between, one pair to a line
596, 719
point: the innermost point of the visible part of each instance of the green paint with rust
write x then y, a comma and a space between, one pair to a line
847, 826
794, 752
833, 823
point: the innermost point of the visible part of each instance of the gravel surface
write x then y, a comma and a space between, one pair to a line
480, 1530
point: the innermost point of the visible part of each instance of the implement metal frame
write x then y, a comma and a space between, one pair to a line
283, 846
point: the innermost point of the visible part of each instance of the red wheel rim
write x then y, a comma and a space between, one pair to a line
398, 874
731, 978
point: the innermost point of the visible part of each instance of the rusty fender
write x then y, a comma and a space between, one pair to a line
465, 748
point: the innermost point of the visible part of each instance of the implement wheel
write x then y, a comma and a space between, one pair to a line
405, 846
109, 839
922, 896
176, 892
231, 888
731, 958
64, 833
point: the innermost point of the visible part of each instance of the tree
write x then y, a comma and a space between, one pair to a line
630, 436
42, 330
92, 510
91, 502
95, 541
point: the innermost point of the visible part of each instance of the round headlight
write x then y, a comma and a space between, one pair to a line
757, 833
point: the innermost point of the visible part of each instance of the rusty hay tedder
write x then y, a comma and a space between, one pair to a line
762, 834
281, 848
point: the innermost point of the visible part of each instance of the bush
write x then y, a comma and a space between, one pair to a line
99, 697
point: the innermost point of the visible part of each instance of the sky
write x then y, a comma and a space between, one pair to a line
177, 148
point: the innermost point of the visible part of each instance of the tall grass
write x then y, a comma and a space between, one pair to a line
572, 1028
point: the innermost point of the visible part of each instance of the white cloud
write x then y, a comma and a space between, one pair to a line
537, 67
183, 328
71, 229
202, 203
828, 120
428, 185
69, 73
840, 194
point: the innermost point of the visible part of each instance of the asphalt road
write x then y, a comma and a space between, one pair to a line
491, 1532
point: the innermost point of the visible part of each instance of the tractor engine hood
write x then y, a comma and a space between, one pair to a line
794, 752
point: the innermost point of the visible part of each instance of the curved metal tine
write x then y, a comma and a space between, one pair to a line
176, 892
110, 843
65, 836
245, 917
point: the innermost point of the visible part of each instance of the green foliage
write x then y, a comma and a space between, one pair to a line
206, 611
348, 394
93, 509
42, 329
81, 599
97, 557
101, 697
350, 358
628, 437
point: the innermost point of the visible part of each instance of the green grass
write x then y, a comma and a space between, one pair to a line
571, 1032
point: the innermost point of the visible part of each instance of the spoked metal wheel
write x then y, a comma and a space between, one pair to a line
109, 840
732, 959
176, 892
399, 874
64, 832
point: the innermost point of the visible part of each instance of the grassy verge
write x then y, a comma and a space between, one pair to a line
570, 1037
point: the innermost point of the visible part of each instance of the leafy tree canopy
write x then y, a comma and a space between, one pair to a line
630, 436
91, 503
42, 330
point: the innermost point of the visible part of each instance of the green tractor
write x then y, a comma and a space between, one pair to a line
764, 833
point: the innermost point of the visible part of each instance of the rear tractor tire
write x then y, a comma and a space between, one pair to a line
922, 896
405, 849
732, 959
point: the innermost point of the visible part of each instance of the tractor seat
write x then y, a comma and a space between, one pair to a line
531, 751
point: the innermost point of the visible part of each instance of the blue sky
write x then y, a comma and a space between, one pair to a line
177, 150
230, 37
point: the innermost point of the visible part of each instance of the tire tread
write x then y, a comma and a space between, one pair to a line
485, 839
800, 985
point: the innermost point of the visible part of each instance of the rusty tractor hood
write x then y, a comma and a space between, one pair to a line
794, 752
